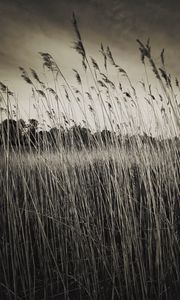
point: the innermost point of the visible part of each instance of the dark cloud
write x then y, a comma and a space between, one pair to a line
116, 22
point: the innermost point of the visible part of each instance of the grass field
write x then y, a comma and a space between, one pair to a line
100, 222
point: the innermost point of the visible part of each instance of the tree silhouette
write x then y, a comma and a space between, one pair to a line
19, 135
31, 134
12, 133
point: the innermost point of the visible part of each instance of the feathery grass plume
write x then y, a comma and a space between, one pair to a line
49, 114
102, 51
121, 70
78, 78
76, 90
36, 77
145, 50
143, 85
49, 61
25, 76
78, 44
120, 86
65, 120
160, 97
89, 96
106, 80
166, 77
102, 84
66, 94
95, 64
109, 105
150, 92
127, 94
162, 57
41, 93
91, 109
110, 56
5, 89
52, 91
177, 82
152, 96
148, 101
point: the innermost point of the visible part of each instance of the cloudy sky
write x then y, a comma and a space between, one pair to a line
30, 26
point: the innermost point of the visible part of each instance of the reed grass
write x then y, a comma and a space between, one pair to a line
99, 222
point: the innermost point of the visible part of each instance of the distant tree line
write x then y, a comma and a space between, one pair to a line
19, 135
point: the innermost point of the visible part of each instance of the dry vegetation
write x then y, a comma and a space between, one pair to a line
100, 222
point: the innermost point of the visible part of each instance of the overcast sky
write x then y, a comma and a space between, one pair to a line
29, 26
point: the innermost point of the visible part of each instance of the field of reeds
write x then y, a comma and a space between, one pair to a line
90, 209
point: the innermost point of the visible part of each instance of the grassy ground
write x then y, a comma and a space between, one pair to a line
101, 224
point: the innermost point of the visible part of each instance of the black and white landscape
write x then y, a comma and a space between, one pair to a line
89, 150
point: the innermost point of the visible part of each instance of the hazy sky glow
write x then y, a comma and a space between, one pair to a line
30, 26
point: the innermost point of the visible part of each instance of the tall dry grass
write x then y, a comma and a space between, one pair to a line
98, 223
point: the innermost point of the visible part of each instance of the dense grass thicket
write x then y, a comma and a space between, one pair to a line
90, 225
91, 214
